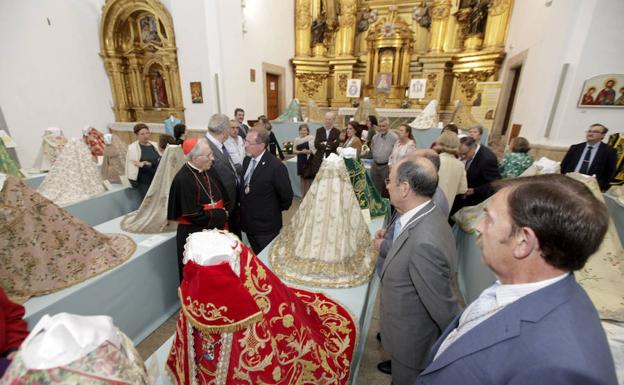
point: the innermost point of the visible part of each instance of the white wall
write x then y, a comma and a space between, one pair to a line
585, 33
51, 75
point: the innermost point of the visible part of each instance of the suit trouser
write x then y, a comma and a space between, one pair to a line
379, 175
403, 375
259, 241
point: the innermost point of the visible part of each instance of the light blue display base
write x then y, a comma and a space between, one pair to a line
358, 300
139, 295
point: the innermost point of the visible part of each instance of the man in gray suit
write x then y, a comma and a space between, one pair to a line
217, 134
417, 296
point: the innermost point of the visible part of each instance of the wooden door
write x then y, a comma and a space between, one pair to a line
272, 99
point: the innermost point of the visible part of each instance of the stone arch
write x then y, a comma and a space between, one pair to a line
137, 44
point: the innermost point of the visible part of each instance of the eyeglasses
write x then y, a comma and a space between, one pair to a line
387, 180
594, 132
249, 143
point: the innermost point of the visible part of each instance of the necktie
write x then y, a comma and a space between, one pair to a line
397, 229
468, 163
484, 307
585, 166
249, 172
227, 156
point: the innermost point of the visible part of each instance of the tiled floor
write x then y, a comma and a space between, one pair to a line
373, 354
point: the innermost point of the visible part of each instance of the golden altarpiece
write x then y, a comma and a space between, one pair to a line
453, 44
138, 47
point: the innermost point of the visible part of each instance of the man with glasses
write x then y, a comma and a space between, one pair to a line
592, 157
265, 191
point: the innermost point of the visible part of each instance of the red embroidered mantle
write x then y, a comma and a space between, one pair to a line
254, 329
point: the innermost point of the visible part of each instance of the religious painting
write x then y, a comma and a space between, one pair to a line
196, 92
383, 82
417, 88
149, 29
605, 91
159, 90
353, 88
484, 104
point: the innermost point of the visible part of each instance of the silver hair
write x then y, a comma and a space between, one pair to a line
383, 119
218, 123
478, 127
197, 148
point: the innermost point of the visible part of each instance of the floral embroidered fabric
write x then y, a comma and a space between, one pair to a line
365, 191
151, 217
265, 333
105, 365
43, 248
428, 118
327, 243
114, 162
7, 164
73, 176
95, 140
51, 147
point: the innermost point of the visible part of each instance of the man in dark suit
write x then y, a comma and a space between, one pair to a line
535, 325
217, 134
417, 297
239, 115
326, 141
266, 191
592, 157
481, 171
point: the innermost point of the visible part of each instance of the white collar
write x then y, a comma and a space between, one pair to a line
214, 140
408, 215
257, 158
193, 166
506, 294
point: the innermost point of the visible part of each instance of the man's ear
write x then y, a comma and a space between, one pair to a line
525, 243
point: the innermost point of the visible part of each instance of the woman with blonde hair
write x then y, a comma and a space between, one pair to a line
452, 175
403, 146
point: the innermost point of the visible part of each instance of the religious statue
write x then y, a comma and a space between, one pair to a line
477, 16
422, 16
159, 92
318, 30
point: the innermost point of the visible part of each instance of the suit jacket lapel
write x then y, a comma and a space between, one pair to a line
396, 245
262, 164
503, 325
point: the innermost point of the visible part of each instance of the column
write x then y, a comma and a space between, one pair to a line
345, 39
496, 26
440, 14
303, 23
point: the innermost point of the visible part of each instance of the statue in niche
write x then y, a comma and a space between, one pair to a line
477, 16
422, 16
149, 30
159, 91
318, 30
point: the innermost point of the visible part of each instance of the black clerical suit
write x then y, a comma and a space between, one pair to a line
324, 146
268, 194
190, 204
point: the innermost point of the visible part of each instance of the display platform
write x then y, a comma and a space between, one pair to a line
111, 204
35, 180
358, 300
139, 294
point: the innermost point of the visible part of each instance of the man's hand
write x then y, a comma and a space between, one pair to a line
379, 234
377, 243
468, 192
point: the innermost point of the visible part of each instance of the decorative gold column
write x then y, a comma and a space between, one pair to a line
497, 24
470, 69
303, 23
452, 38
345, 39
114, 67
440, 14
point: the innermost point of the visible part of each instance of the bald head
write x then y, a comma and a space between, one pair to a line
420, 173
328, 121
427, 153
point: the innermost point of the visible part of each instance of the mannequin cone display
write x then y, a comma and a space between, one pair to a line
151, 217
73, 177
239, 324
327, 243
43, 248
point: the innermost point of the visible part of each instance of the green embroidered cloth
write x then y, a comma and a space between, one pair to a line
7, 164
365, 191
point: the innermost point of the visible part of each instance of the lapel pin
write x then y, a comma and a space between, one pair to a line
263, 163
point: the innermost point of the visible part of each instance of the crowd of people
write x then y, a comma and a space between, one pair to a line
536, 232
